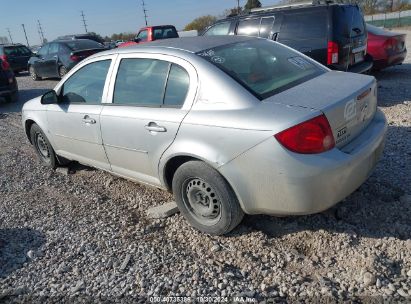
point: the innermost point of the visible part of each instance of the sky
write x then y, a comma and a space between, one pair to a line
105, 17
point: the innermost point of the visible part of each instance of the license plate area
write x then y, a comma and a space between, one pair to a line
358, 57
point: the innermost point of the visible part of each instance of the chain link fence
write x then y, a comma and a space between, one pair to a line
390, 20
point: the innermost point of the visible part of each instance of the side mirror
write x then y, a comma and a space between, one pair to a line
137, 40
49, 98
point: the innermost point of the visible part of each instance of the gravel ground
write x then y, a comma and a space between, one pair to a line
84, 235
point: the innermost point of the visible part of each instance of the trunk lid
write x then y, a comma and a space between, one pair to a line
349, 101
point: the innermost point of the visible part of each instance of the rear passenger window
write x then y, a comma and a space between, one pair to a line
219, 29
177, 86
305, 25
249, 27
141, 82
150, 82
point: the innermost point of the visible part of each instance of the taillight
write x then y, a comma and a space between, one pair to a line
74, 58
390, 44
4, 64
309, 137
332, 52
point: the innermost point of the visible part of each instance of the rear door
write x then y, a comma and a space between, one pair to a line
150, 97
350, 34
306, 30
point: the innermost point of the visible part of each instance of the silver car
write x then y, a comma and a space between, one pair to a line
230, 125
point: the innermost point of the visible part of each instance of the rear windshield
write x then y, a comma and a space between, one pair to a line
164, 33
348, 21
263, 67
17, 51
83, 44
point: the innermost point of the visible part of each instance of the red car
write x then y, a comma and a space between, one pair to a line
152, 33
386, 48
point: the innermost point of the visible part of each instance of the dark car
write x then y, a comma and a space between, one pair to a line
56, 58
386, 48
82, 36
8, 83
333, 34
16, 55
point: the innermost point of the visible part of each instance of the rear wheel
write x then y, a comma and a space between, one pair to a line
62, 71
33, 73
43, 147
206, 199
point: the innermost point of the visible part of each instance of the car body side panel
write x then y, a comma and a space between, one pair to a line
269, 179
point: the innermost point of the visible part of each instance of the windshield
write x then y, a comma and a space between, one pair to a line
263, 67
83, 44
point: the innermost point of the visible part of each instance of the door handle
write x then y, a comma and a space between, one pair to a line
88, 120
153, 127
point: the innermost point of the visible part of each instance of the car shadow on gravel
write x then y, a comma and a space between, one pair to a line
394, 84
24, 95
17, 247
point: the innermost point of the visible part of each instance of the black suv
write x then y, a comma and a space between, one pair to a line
8, 83
16, 55
331, 33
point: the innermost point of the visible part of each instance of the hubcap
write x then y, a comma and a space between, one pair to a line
202, 201
42, 146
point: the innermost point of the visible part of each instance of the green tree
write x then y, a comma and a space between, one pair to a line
252, 4
200, 23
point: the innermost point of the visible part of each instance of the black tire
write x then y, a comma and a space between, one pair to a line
33, 73
205, 198
43, 147
62, 71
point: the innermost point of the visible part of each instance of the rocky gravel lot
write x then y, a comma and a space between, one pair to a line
84, 235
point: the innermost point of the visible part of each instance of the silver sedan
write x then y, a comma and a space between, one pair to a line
229, 125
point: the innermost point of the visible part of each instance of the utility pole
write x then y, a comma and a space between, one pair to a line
11, 39
41, 33
238, 6
144, 11
25, 34
84, 21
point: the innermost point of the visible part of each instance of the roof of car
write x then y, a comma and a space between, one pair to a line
189, 44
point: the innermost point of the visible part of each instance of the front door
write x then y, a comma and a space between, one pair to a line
50, 61
75, 120
150, 98
40, 59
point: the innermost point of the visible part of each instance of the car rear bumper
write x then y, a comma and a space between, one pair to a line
360, 68
391, 60
268, 179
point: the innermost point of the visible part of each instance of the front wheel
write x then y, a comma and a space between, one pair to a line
62, 71
33, 73
205, 198
43, 147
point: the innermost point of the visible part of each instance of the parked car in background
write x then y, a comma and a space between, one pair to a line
230, 125
386, 48
110, 44
82, 36
333, 34
8, 83
56, 58
152, 33
16, 55
118, 42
